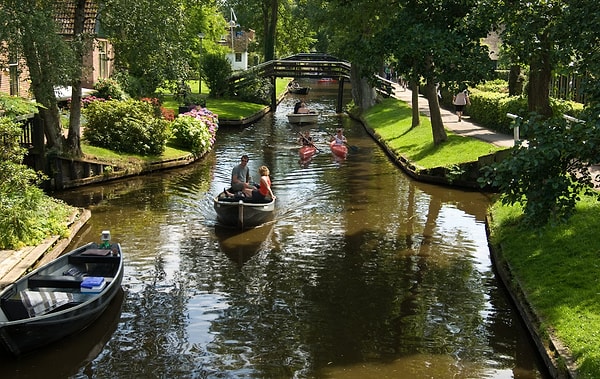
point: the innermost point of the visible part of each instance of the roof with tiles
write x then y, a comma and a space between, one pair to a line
65, 16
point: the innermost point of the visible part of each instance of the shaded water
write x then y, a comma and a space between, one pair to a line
363, 274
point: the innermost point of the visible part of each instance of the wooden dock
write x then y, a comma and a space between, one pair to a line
16, 263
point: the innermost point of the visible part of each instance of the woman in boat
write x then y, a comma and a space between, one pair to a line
264, 191
339, 137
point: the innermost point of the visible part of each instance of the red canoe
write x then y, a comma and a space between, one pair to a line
306, 152
339, 150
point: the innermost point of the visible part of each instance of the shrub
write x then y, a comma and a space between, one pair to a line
195, 130
108, 89
15, 106
216, 71
549, 174
255, 90
27, 216
129, 126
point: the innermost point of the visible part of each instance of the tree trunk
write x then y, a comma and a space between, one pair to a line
270, 9
540, 74
515, 83
416, 116
73, 143
437, 126
363, 93
43, 91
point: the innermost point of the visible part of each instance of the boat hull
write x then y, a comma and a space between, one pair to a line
243, 214
306, 152
303, 118
21, 331
299, 90
339, 150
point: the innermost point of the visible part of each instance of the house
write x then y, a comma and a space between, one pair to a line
238, 42
97, 63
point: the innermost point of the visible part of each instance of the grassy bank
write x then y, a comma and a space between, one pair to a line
391, 119
557, 267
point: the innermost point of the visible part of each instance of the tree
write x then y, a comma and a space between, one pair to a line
532, 31
80, 44
282, 27
440, 43
29, 30
157, 41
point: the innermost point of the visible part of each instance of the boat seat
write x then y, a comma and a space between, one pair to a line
58, 281
54, 281
83, 258
14, 309
37, 303
248, 200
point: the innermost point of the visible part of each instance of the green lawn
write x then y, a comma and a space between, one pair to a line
558, 268
392, 120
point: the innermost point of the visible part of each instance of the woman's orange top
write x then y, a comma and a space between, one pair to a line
264, 190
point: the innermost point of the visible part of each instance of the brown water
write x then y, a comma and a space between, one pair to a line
363, 274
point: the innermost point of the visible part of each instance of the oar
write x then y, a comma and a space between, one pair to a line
352, 147
311, 144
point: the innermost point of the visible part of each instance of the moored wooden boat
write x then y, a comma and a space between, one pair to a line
243, 213
297, 89
303, 118
339, 150
55, 301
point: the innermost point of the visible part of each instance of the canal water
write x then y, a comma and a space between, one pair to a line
362, 274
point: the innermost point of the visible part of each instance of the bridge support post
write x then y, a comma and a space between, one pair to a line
274, 93
340, 97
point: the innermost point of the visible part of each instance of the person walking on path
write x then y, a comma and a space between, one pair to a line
460, 100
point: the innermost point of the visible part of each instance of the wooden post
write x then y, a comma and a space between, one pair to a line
39, 143
274, 93
340, 97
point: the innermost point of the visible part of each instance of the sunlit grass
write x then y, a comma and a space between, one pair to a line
113, 156
558, 267
392, 120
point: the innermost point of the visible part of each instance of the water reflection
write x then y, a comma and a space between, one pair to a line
363, 273
241, 245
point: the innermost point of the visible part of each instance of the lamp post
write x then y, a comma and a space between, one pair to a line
201, 36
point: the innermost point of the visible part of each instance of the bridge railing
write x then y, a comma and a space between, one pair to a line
384, 86
285, 68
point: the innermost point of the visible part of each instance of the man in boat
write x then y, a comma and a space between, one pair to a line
302, 108
240, 178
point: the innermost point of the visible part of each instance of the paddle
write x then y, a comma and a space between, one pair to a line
352, 147
310, 142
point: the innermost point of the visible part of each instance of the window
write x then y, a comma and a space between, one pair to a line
13, 72
238, 57
102, 59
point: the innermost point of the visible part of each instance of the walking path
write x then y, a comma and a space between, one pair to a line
450, 120
471, 129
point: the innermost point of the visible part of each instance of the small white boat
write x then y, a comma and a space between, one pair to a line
303, 118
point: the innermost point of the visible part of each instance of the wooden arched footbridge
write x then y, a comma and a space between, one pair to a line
308, 65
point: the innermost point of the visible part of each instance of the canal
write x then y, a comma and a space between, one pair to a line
363, 273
